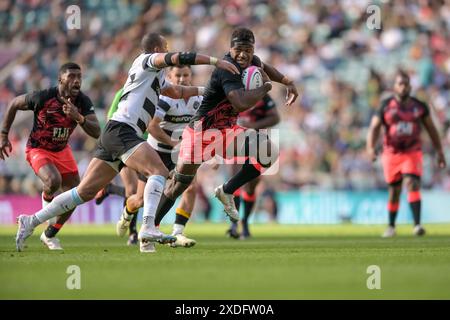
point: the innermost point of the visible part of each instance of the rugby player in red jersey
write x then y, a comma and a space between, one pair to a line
214, 129
402, 117
57, 112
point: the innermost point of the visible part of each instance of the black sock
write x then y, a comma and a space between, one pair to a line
415, 208
52, 230
179, 219
163, 207
392, 218
247, 173
237, 202
117, 190
248, 207
133, 223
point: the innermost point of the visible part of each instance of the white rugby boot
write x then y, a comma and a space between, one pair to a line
154, 235
183, 241
123, 224
228, 203
146, 246
51, 243
24, 230
389, 233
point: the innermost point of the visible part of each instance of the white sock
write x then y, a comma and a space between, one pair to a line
125, 214
177, 229
66, 201
152, 195
44, 202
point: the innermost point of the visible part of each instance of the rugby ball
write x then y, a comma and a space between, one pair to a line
252, 78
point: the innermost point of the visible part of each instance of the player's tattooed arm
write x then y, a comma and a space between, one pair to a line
162, 60
89, 123
158, 133
372, 137
18, 103
434, 136
182, 92
275, 75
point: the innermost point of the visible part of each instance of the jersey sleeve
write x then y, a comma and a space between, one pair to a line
380, 112
230, 81
35, 99
426, 109
149, 62
87, 107
115, 103
161, 108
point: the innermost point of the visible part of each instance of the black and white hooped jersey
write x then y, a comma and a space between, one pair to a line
138, 102
175, 115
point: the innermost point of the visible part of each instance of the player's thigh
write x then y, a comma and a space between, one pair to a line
391, 168
97, 176
130, 180
146, 161
50, 176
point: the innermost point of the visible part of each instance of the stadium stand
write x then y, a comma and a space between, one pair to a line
342, 68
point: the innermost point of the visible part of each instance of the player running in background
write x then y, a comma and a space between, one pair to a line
214, 126
171, 116
121, 142
402, 116
57, 111
262, 116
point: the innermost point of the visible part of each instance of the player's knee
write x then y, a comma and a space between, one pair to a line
86, 193
413, 184
53, 183
158, 169
162, 171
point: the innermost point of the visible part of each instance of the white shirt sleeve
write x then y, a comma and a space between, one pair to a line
150, 61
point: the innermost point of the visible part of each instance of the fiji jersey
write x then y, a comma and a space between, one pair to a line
51, 126
176, 114
140, 93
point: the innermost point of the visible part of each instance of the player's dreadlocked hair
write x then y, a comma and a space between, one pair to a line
242, 36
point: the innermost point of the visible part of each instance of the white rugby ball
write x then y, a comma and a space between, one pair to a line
252, 78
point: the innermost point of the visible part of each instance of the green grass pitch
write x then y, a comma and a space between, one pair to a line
279, 262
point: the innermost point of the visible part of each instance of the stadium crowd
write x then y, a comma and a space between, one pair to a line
342, 67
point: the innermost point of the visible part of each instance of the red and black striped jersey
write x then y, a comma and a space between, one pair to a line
402, 123
260, 110
52, 127
216, 111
